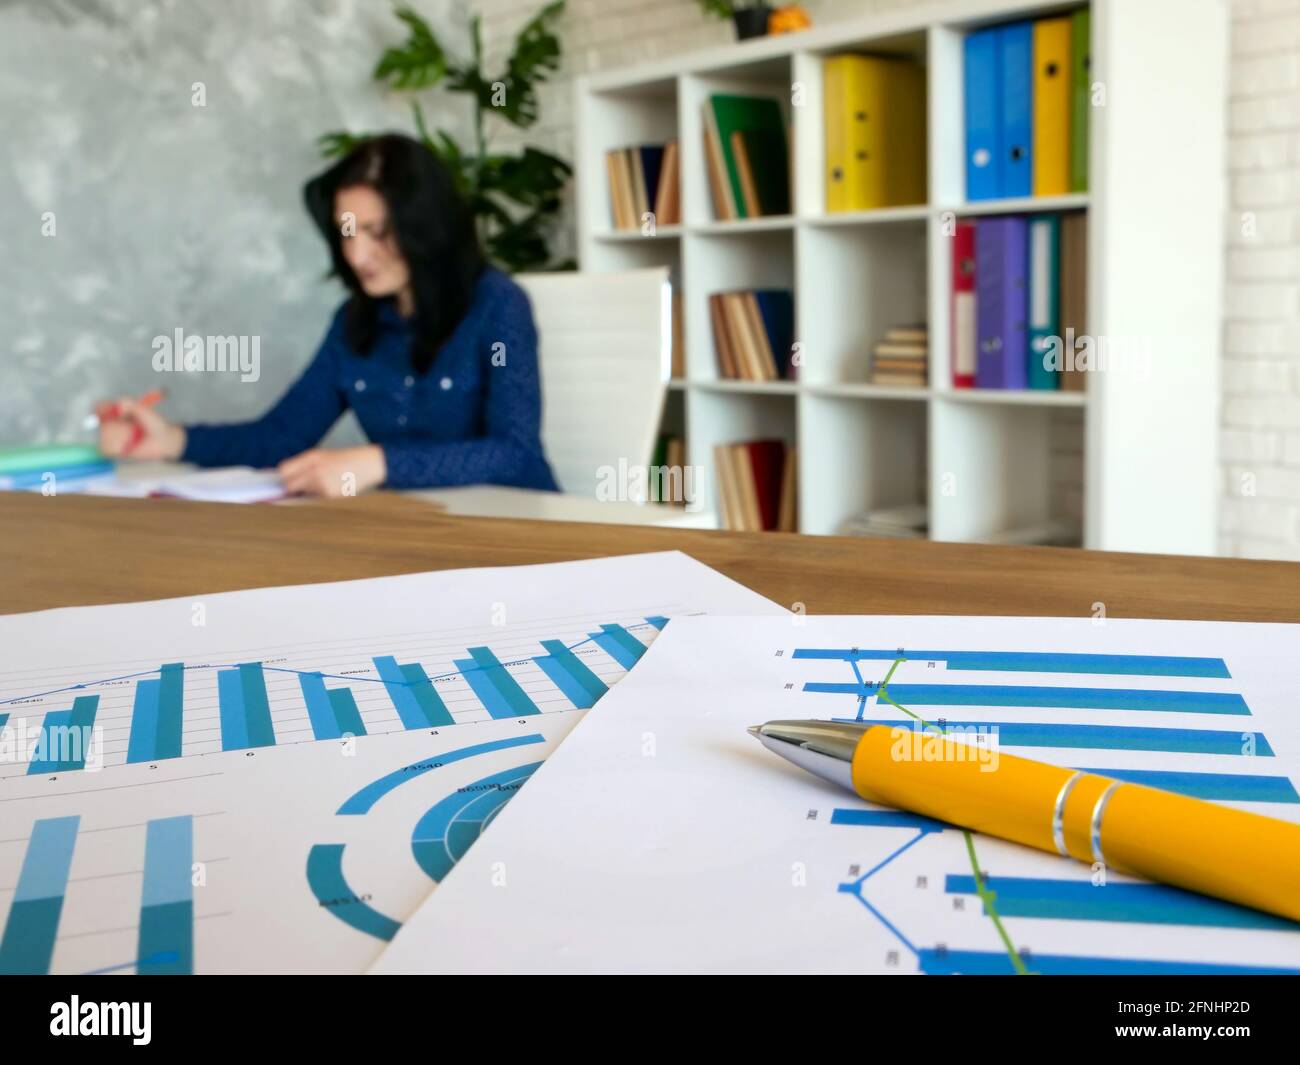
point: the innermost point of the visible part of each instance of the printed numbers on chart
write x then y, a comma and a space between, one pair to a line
780, 653
789, 687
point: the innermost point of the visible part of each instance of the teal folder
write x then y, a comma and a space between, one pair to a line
1044, 297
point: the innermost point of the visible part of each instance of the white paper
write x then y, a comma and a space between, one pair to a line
663, 838
247, 790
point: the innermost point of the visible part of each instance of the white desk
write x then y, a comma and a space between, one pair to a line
490, 501
494, 501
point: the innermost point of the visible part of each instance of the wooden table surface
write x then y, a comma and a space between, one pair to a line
71, 550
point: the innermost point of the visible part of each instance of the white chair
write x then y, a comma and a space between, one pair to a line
605, 349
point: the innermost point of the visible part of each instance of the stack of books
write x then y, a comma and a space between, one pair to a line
910, 521
875, 132
50, 467
746, 151
644, 179
753, 333
1019, 302
1027, 97
756, 486
902, 357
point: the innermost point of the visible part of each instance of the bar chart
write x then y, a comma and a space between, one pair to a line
1025, 715
165, 923
1071, 708
318, 691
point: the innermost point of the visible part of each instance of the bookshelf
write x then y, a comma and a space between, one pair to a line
985, 462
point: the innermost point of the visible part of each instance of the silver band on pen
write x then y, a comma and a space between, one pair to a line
1098, 812
1058, 814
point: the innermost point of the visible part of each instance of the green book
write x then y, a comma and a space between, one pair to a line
1080, 97
28, 457
762, 126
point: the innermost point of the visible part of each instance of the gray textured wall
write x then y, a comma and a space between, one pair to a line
169, 215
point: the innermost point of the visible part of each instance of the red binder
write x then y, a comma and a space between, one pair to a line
965, 333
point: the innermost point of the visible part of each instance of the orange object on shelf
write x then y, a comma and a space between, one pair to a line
788, 19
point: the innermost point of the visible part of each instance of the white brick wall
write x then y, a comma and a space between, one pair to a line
1260, 439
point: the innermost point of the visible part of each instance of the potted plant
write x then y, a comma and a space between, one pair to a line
515, 197
750, 18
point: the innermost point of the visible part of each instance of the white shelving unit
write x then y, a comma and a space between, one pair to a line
981, 459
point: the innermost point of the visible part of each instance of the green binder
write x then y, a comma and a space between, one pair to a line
762, 127
1081, 80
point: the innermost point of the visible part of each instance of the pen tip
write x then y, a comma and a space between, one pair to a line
756, 731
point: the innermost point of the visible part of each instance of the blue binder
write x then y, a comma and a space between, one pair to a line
983, 115
1016, 48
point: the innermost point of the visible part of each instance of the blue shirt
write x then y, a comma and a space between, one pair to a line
473, 418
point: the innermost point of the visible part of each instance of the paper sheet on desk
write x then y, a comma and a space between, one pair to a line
663, 838
318, 756
232, 484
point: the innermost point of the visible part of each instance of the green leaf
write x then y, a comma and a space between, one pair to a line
340, 142
535, 58
718, 8
418, 63
533, 179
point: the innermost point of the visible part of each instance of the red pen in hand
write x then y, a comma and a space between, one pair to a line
106, 411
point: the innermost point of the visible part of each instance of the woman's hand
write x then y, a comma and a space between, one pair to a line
343, 471
138, 432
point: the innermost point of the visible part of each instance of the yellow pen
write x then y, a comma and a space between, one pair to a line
1158, 835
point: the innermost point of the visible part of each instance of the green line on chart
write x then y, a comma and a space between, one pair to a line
990, 907
883, 693
986, 897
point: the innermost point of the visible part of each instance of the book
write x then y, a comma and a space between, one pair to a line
762, 125
756, 485
788, 513
753, 333
668, 202
724, 208
1074, 294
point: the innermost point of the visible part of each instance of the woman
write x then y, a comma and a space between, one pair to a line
435, 351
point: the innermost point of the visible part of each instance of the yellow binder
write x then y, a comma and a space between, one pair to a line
875, 132
1052, 107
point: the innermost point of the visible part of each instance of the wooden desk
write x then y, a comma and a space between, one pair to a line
68, 551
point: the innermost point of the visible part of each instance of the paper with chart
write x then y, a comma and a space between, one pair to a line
271, 780
662, 837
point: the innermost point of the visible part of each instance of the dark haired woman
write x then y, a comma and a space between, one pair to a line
434, 351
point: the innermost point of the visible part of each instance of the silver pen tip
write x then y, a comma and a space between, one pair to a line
755, 730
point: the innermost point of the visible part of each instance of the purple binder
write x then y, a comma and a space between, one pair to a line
1001, 247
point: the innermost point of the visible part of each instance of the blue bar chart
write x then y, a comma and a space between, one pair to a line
1128, 709
309, 694
65, 737
33, 923
165, 942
